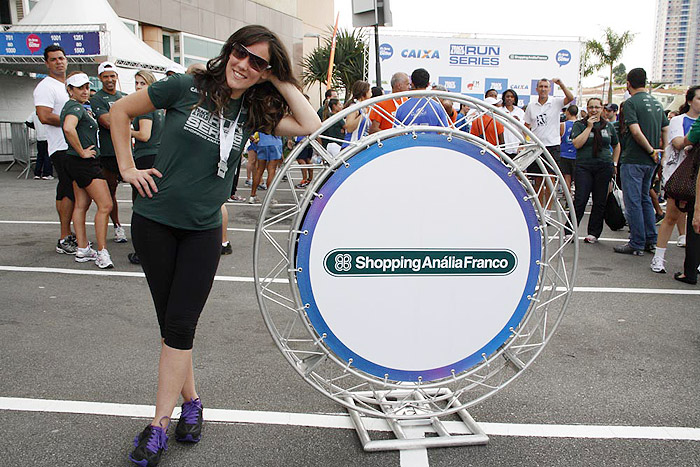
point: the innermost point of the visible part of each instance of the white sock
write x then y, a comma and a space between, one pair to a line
84, 250
660, 252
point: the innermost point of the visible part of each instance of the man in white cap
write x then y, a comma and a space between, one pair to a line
101, 102
50, 96
174, 69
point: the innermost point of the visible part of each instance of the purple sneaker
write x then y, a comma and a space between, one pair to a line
189, 427
149, 446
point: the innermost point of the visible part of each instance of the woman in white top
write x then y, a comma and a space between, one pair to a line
674, 154
510, 106
357, 123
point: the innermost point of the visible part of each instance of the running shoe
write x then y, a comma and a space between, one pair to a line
133, 258
659, 218
83, 255
650, 247
248, 183
119, 234
149, 446
47, 177
37, 177
263, 186
66, 247
658, 265
590, 239
627, 249
253, 200
681, 241
103, 261
236, 199
189, 427
226, 249
301, 184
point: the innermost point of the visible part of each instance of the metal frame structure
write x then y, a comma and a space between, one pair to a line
400, 402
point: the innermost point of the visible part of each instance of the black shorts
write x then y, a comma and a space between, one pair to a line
567, 166
110, 164
144, 162
83, 171
64, 189
306, 154
555, 151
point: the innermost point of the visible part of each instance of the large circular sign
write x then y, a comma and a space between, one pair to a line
412, 283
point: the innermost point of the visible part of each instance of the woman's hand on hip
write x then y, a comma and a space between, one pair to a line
142, 180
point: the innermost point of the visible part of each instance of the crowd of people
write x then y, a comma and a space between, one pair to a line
632, 144
180, 143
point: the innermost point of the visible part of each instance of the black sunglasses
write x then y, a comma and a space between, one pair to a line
257, 63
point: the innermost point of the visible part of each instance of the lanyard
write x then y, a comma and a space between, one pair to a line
226, 142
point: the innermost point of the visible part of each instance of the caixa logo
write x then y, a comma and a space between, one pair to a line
420, 53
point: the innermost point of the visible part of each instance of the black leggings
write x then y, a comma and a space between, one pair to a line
692, 246
180, 266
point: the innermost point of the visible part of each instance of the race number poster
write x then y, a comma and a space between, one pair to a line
412, 288
471, 66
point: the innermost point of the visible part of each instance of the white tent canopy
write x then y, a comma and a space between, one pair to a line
118, 44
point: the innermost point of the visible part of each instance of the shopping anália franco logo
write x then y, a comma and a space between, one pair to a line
388, 262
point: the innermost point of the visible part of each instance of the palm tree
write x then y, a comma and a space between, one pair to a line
610, 51
349, 60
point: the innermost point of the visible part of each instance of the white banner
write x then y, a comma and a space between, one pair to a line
472, 66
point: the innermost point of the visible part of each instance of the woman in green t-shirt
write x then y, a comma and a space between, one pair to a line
80, 130
176, 226
597, 148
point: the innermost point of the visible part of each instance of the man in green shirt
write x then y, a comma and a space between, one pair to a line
646, 132
101, 102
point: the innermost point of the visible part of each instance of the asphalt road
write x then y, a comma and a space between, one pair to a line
623, 358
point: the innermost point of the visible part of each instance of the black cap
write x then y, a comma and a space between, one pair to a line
612, 106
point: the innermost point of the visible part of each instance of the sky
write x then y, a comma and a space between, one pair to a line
526, 17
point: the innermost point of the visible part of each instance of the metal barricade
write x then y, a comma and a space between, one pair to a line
19, 141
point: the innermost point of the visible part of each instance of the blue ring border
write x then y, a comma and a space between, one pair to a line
315, 210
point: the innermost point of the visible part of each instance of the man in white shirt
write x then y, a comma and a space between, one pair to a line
50, 96
542, 117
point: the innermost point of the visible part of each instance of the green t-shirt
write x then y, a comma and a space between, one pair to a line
694, 132
101, 102
334, 131
648, 113
584, 154
150, 147
86, 128
190, 193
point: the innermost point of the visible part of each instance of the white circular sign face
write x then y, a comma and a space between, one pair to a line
413, 282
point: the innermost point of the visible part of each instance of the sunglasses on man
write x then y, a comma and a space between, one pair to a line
257, 63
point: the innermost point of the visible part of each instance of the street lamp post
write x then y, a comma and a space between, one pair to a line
318, 46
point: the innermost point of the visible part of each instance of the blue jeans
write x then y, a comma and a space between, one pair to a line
641, 217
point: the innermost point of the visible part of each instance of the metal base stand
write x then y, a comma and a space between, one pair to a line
405, 429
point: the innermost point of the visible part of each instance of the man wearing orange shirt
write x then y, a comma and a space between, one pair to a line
484, 128
380, 118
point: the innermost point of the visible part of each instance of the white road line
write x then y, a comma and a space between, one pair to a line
342, 421
97, 272
230, 229
240, 229
414, 457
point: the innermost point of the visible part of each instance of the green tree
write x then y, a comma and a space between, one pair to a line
620, 74
609, 50
349, 60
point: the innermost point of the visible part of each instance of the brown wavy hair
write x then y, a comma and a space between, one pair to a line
359, 90
266, 106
